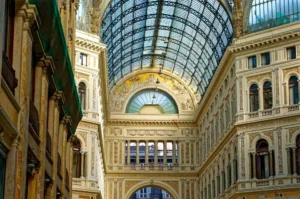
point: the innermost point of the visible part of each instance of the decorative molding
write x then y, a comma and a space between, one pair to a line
278, 131
151, 132
129, 184
259, 77
79, 75
126, 89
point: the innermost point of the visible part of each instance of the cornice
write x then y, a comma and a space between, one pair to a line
90, 45
266, 37
159, 123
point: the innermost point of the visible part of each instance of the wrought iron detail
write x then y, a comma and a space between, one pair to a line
187, 38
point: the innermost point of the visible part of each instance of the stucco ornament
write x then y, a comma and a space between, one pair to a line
121, 94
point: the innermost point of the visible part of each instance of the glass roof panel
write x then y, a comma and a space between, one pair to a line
187, 37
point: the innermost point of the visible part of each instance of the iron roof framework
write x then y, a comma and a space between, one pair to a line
186, 37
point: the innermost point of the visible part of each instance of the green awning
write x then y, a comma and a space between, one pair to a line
54, 43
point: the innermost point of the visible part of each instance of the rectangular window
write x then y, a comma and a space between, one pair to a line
252, 62
265, 59
3, 153
291, 53
9, 28
83, 59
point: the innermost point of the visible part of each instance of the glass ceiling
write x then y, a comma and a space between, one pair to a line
152, 97
186, 37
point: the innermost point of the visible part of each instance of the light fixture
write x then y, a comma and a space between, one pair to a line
157, 81
154, 97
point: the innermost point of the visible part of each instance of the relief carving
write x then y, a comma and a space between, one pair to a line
278, 131
151, 132
129, 184
291, 133
173, 184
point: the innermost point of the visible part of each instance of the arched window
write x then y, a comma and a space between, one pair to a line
294, 90
77, 159
254, 100
82, 95
267, 93
298, 155
262, 159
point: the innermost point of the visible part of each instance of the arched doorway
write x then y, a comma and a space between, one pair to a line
151, 193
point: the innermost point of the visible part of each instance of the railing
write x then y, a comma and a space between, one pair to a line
34, 118
8, 74
292, 108
267, 112
48, 146
253, 115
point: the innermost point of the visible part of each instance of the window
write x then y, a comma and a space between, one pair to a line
82, 95
9, 28
262, 159
298, 154
133, 153
265, 58
254, 101
143, 193
267, 93
293, 90
77, 159
291, 52
252, 62
3, 153
83, 59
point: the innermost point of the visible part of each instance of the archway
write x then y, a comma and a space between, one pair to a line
151, 193
158, 185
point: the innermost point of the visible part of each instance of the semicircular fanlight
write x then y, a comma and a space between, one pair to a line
152, 98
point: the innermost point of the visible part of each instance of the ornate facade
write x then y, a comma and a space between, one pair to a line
39, 104
88, 169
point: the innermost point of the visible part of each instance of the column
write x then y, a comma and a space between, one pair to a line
137, 152
288, 153
165, 152
146, 153
294, 161
82, 164
271, 163
174, 153
234, 171
155, 152
254, 164
128, 152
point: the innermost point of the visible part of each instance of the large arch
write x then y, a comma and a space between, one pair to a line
152, 183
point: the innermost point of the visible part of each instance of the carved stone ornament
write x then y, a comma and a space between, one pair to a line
151, 132
117, 132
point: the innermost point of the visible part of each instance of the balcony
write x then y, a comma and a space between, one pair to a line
8, 74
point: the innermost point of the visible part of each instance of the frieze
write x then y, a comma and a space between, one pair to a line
88, 125
82, 75
151, 132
